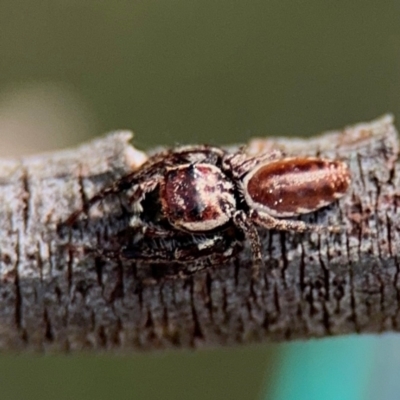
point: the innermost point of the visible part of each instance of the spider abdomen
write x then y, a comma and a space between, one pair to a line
297, 185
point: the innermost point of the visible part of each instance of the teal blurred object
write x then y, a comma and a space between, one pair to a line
386, 371
330, 369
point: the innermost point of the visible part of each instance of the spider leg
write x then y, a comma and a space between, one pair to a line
269, 222
125, 183
112, 189
239, 164
183, 155
179, 248
201, 148
215, 247
246, 225
138, 228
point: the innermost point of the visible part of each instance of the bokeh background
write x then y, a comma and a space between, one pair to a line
183, 71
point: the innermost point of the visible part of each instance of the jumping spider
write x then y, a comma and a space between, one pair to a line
201, 202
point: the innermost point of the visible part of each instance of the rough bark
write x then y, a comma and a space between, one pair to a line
55, 296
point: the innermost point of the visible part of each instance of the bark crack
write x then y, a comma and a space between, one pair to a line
18, 298
353, 303
82, 193
48, 333
197, 333
25, 197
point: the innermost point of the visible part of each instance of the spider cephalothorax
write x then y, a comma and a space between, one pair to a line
198, 202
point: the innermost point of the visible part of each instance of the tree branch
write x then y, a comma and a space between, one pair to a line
55, 296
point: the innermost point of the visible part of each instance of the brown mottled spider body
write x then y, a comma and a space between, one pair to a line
201, 202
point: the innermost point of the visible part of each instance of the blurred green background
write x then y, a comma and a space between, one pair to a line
177, 72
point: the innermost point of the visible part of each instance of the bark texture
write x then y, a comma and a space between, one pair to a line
55, 296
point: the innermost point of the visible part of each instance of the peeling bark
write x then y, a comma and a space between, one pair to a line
56, 297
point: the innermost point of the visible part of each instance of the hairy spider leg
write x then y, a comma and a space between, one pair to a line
112, 189
269, 222
242, 221
167, 250
239, 164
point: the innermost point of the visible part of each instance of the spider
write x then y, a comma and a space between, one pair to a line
200, 202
